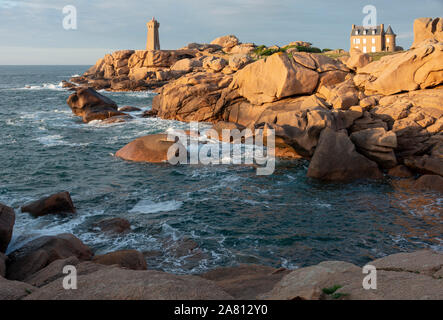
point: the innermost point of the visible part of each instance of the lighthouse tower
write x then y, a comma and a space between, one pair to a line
153, 42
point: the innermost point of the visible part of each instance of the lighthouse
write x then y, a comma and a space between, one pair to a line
153, 42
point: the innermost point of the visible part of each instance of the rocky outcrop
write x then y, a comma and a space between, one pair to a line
406, 276
419, 68
152, 148
54, 204
112, 283
358, 59
226, 42
336, 159
38, 253
90, 105
274, 78
239, 61
7, 220
192, 97
128, 259
377, 144
427, 28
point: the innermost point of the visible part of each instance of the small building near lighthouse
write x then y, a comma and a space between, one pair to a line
153, 42
373, 39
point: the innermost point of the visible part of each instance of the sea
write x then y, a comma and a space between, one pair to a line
227, 214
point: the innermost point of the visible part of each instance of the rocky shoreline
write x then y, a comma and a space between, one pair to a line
352, 118
35, 272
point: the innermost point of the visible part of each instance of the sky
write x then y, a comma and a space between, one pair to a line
32, 31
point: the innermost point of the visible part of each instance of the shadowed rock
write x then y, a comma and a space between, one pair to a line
336, 159
7, 220
38, 253
55, 204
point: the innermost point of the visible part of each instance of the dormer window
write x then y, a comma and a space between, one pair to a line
364, 32
356, 32
373, 31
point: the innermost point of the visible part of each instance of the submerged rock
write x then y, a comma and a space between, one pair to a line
128, 259
113, 225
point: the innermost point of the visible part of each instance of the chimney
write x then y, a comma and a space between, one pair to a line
382, 27
353, 26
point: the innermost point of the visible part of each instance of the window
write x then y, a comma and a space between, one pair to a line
364, 41
358, 41
373, 40
364, 49
387, 40
364, 32
353, 41
356, 31
374, 49
373, 31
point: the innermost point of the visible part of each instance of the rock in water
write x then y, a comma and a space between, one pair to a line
429, 182
128, 259
153, 148
335, 159
38, 253
55, 204
90, 105
7, 220
114, 225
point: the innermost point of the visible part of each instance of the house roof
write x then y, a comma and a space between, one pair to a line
360, 31
389, 31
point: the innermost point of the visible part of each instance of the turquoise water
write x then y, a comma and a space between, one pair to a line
232, 215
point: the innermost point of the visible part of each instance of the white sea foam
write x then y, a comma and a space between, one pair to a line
44, 86
148, 206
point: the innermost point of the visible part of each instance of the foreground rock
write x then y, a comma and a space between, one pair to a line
38, 253
14, 290
128, 259
153, 148
246, 282
90, 105
112, 283
405, 276
336, 159
55, 204
7, 220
